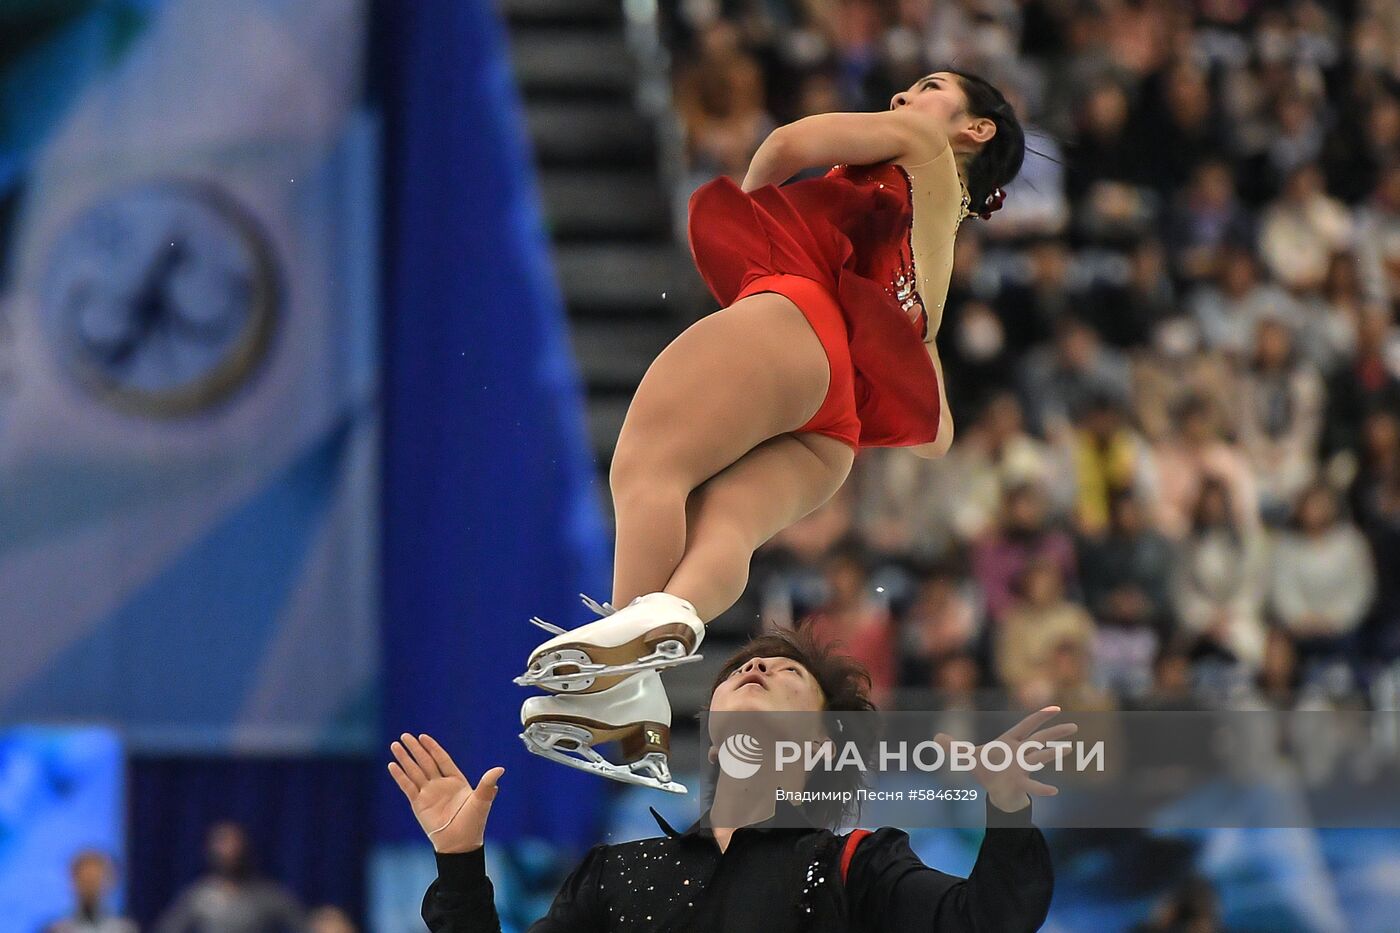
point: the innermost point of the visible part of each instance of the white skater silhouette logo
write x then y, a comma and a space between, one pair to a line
740, 756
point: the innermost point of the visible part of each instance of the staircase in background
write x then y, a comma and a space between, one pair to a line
629, 286
606, 203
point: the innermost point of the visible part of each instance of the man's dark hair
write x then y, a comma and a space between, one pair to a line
845, 687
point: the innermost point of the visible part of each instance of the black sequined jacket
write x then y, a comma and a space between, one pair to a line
771, 879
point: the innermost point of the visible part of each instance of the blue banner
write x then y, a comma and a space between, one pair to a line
188, 410
491, 504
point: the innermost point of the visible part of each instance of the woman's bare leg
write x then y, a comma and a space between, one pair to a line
734, 379
768, 489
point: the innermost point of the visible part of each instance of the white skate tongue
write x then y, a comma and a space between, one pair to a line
602, 609
549, 627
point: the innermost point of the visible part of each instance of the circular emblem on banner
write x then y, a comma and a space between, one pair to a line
161, 297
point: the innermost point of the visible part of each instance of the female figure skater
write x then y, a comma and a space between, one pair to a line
833, 292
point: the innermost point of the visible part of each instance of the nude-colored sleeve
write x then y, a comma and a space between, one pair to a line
939, 209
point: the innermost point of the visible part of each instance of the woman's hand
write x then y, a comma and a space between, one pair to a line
449, 809
1011, 789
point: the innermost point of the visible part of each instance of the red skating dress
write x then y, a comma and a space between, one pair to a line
866, 253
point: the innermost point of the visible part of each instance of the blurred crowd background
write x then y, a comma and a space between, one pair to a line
1172, 357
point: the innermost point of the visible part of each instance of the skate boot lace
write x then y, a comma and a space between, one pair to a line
602, 609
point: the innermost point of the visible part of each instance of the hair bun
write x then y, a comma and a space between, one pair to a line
992, 204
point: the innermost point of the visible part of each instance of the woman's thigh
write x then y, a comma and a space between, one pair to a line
769, 488
732, 380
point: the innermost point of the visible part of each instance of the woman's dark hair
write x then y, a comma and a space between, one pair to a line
1000, 159
845, 686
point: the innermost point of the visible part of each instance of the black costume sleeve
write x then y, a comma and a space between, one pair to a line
462, 899
890, 889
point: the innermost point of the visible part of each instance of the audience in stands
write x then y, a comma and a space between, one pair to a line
1173, 358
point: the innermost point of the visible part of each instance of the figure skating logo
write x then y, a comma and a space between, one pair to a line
740, 756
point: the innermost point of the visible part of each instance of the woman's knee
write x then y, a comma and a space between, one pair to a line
722, 519
643, 477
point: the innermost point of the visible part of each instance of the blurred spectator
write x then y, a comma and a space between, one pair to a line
1195, 455
1107, 163
1033, 304
232, 897
1171, 683
1219, 585
93, 877
1366, 383
1109, 458
1207, 216
1229, 312
789, 569
1127, 585
1124, 649
1278, 672
1194, 907
921, 509
978, 360
942, 622
1329, 338
978, 356
1024, 536
1039, 621
1368, 140
1281, 407
1126, 314
1186, 131
1068, 681
1322, 581
1173, 372
851, 616
1378, 464
1127, 572
1382, 527
329, 919
719, 96
1297, 137
1378, 237
1302, 229
1061, 379
954, 681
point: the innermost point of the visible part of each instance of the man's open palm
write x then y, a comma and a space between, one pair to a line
1012, 788
449, 809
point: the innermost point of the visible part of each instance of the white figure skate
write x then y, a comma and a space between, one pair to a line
654, 632
634, 715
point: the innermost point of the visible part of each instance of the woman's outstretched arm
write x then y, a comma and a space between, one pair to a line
828, 139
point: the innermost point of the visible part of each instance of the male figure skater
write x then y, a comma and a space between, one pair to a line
788, 872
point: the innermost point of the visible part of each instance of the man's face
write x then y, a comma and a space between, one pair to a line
90, 878
770, 684
227, 849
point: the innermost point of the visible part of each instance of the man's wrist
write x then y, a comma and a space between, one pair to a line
461, 870
1009, 802
999, 816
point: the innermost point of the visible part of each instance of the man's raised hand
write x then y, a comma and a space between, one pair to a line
449, 809
1013, 787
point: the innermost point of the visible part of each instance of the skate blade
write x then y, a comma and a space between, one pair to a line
601, 767
587, 674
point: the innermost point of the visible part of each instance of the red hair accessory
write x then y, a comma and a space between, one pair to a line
992, 204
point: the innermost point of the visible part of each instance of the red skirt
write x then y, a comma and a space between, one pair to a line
824, 244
